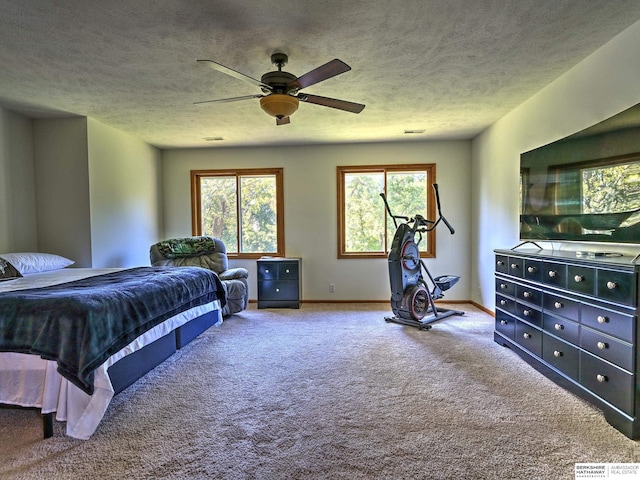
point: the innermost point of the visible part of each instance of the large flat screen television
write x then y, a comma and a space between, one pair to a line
585, 187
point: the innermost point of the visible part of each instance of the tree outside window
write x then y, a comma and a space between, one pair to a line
365, 230
243, 208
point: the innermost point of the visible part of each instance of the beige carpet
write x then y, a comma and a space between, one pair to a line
330, 392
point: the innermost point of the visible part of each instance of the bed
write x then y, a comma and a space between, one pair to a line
72, 338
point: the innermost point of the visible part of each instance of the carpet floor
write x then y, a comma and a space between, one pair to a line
329, 391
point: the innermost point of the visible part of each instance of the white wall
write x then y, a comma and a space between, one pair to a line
17, 184
125, 197
62, 188
98, 193
601, 86
310, 197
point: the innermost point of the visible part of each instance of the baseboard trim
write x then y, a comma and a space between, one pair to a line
385, 301
484, 309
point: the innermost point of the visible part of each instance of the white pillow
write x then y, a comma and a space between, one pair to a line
29, 262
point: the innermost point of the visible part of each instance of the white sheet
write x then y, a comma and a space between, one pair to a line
30, 381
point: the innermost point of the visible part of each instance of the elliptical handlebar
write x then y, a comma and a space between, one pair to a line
421, 224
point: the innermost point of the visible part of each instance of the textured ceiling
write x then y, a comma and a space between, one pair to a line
448, 67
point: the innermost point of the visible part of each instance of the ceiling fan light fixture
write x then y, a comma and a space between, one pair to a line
279, 105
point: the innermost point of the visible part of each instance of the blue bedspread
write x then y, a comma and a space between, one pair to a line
80, 324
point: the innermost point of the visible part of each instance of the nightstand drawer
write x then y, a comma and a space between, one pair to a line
277, 290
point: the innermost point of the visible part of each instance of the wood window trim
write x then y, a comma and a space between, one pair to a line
430, 237
196, 213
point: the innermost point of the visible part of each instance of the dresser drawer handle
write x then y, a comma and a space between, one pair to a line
558, 326
612, 285
557, 353
601, 378
504, 322
602, 319
515, 265
602, 345
527, 336
526, 313
503, 286
500, 263
553, 273
503, 302
287, 271
277, 289
558, 304
527, 294
578, 278
531, 269
266, 270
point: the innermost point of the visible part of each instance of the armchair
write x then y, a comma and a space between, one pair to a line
210, 253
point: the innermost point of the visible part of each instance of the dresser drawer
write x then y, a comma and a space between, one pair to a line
529, 314
533, 270
506, 303
505, 324
607, 347
617, 286
504, 287
607, 381
554, 274
529, 294
562, 306
277, 270
613, 323
502, 264
581, 279
516, 267
562, 327
529, 338
561, 355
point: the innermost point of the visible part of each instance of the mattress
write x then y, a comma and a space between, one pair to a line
30, 381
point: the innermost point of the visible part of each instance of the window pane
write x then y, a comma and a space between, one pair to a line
219, 210
259, 219
364, 212
407, 195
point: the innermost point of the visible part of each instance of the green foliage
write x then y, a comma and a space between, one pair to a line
365, 213
219, 198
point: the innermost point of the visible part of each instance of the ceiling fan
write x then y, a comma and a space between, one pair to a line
281, 90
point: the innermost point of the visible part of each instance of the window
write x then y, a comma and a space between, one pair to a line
365, 230
243, 208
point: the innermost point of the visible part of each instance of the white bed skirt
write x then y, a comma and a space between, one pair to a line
30, 381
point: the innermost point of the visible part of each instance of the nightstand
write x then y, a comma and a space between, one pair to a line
279, 283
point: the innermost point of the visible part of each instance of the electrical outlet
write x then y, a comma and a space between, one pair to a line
332, 287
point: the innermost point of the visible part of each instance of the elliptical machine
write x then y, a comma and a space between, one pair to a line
412, 299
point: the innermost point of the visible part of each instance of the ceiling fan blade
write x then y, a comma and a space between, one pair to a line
332, 102
230, 71
225, 100
328, 70
283, 121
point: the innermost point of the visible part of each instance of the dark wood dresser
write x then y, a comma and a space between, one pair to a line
279, 281
573, 317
